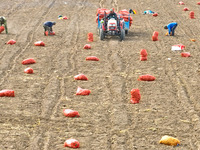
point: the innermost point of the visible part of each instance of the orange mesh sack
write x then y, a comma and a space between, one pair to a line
185, 54
168, 140
1, 29
92, 58
80, 77
39, 43
70, 113
146, 78
135, 96
72, 143
81, 91
28, 70
143, 55
7, 93
87, 46
11, 42
28, 61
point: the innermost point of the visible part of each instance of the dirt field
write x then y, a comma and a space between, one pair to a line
170, 105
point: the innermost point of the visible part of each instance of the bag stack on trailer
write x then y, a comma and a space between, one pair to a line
125, 15
100, 12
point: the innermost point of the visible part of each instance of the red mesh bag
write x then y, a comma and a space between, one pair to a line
65, 17
100, 11
93, 58
135, 96
146, 78
181, 3
28, 61
72, 143
2, 29
154, 38
87, 46
143, 52
80, 77
155, 14
143, 58
7, 93
70, 113
185, 54
11, 42
81, 91
124, 11
28, 70
47, 33
39, 43
90, 37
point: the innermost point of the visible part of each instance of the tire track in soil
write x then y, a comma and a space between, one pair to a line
182, 85
14, 56
30, 38
179, 86
72, 60
117, 88
14, 9
47, 113
186, 31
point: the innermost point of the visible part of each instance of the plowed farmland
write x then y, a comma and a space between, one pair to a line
170, 105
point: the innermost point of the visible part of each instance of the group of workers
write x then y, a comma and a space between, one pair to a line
48, 25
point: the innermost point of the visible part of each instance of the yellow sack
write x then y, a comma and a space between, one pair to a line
168, 140
166, 34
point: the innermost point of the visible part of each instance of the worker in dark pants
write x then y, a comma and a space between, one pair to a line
171, 28
48, 27
3, 21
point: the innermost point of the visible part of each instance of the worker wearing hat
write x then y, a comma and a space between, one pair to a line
112, 14
48, 27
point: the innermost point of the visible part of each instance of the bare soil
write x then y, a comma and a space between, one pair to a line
170, 105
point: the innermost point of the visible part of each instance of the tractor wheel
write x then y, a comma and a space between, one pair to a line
101, 34
122, 35
126, 31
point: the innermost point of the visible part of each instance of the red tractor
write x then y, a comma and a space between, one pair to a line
111, 27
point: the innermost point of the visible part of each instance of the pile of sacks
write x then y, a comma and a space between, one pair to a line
100, 13
125, 15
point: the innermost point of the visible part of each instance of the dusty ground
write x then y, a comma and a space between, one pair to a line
33, 120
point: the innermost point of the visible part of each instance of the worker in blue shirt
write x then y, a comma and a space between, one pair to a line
171, 28
48, 27
148, 12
